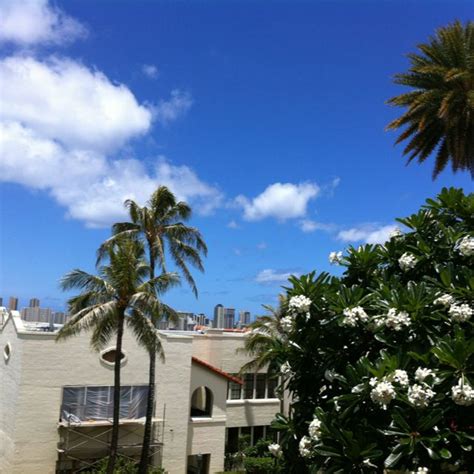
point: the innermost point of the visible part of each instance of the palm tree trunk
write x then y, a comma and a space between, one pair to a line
116, 413
144, 459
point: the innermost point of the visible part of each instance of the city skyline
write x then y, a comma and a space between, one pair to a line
245, 113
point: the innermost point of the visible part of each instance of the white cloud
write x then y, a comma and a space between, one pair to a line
89, 185
279, 200
150, 70
369, 233
30, 22
169, 110
270, 276
68, 102
262, 246
308, 225
60, 123
233, 225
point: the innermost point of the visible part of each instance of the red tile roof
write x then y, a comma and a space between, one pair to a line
217, 371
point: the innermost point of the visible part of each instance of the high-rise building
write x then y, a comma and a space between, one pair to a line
34, 303
218, 317
37, 315
59, 317
1, 301
244, 318
229, 318
13, 303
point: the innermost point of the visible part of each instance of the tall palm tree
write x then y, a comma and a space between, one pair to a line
440, 109
120, 294
160, 224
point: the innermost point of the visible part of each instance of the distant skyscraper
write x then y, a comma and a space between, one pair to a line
218, 317
229, 318
37, 315
244, 318
59, 317
13, 303
34, 303
1, 301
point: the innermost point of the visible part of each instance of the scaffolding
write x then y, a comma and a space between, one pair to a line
83, 444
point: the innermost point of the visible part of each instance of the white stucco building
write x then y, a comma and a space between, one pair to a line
55, 400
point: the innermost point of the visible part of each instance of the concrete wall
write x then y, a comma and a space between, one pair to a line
31, 385
10, 382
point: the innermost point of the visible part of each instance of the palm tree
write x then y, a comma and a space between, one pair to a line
440, 109
160, 224
120, 294
267, 344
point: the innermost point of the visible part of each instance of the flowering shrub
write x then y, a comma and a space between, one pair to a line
380, 361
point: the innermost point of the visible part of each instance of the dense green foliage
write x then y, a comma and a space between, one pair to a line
381, 359
440, 107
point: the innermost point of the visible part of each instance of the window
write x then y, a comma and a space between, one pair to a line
248, 385
271, 387
108, 356
96, 403
260, 385
234, 391
201, 403
7, 351
240, 438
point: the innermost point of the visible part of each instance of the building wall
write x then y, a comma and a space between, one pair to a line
31, 394
10, 382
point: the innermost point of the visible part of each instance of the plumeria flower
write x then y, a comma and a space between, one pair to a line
465, 246
353, 315
383, 393
407, 261
305, 447
285, 368
401, 377
460, 312
421, 374
462, 393
335, 258
314, 429
397, 319
275, 450
299, 304
420, 396
444, 300
286, 323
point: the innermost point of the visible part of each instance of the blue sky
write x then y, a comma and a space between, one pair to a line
268, 117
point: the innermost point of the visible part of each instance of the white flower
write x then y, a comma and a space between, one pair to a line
401, 377
444, 300
462, 394
420, 470
395, 233
353, 315
335, 258
299, 304
305, 446
420, 396
421, 374
397, 319
275, 450
465, 246
314, 429
285, 368
460, 312
373, 381
286, 323
383, 393
407, 261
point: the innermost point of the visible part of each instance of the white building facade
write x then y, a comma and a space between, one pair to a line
55, 400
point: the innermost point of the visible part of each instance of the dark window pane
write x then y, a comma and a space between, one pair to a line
235, 391
232, 440
98, 404
260, 387
272, 384
257, 433
248, 385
